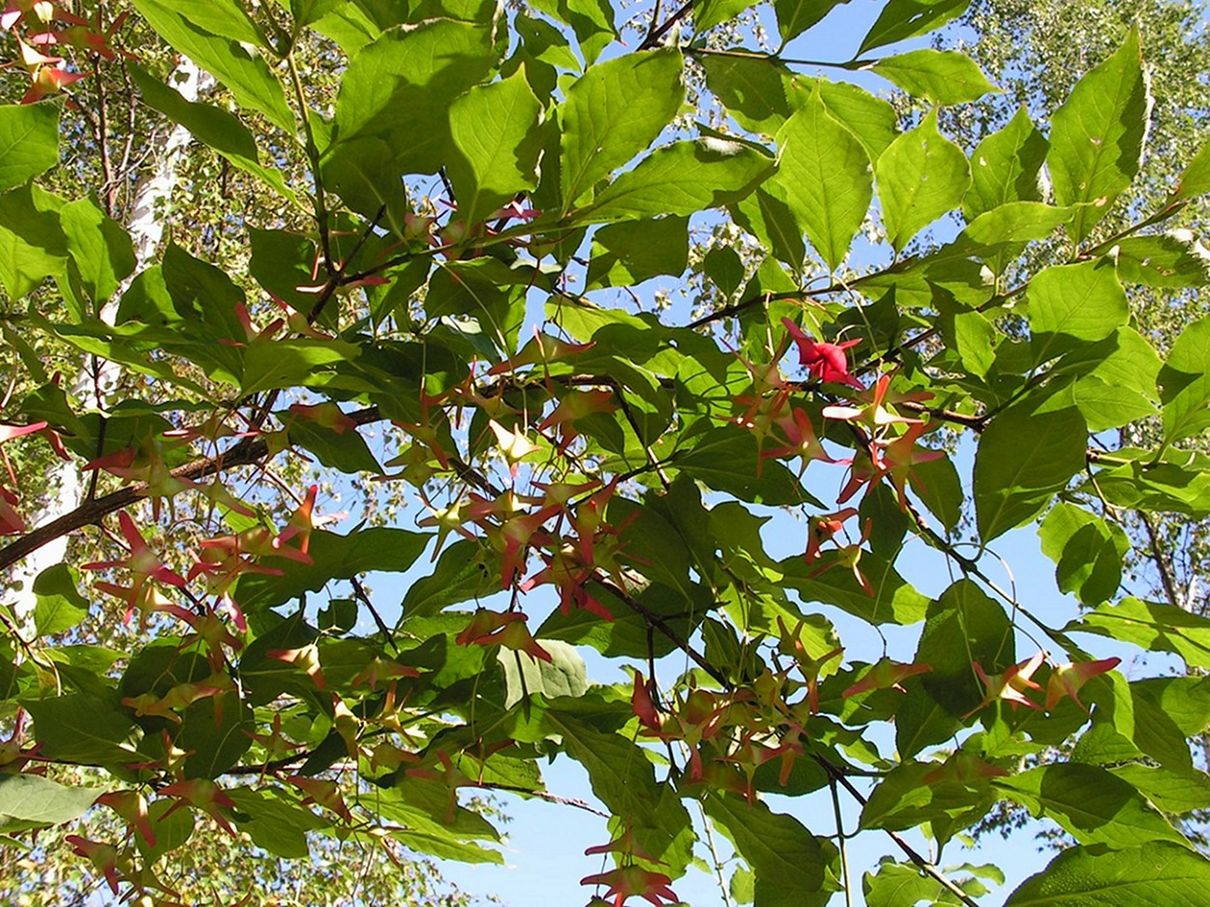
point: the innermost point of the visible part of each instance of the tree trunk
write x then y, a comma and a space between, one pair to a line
97, 378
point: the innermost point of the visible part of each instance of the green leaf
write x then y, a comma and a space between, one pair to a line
624, 255
624, 780
400, 88
1146, 876
29, 141
591, 20
940, 76
60, 606
726, 458
1024, 459
791, 864
1015, 222
725, 269
613, 112
937, 484
346, 451
215, 732
289, 363
1185, 383
1151, 627
460, 575
564, 675
1071, 305
830, 582
795, 16
81, 728
32, 798
766, 215
920, 177
334, 557
1171, 260
1006, 167
32, 245
964, 625
1086, 550
1173, 792
1096, 137
100, 246
902, 19
220, 54
274, 822
680, 179
212, 126
760, 94
496, 148
1195, 180
716, 12
826, 178
1092, 805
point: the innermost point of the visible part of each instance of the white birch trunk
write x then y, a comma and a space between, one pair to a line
66, 484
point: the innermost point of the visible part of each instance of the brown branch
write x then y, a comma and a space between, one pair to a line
1161, 562
654, 35
244, 453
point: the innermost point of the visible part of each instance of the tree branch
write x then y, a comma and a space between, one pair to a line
246, 452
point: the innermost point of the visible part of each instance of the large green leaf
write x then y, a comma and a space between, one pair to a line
1151, 627
494, 128
213, 126
726, 458
82, 728
1096, 137
1087, 552
100, 247
826, 178
32, 244
1195, 180
940, 76
274, 822
920, 177
1185, 383
334, 557
60, 606
220, 53
963, 626
1024, 458
1006, 167
1166, 261
901, 19
830, 581
38, 800
680, 179
401, 87
627, 254
1091, 804
29, 141
1070, 305
792, 866
1146, 876
613, 112
623, 779
795, 16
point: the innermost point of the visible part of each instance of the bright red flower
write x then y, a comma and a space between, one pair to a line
827, 362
